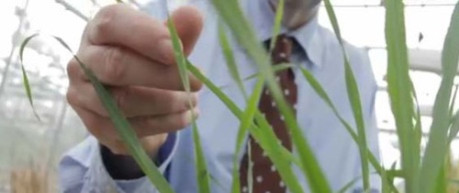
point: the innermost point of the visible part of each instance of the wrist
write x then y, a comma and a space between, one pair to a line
124, 167
120, 167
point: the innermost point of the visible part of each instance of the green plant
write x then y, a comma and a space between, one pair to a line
421, 173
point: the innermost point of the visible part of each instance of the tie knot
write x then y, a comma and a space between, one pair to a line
282, 49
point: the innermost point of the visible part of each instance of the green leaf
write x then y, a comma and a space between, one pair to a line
231, 13
437, 146
349, 185
385, 187
125, 130
122, 126
324, 96
400, 92
252, 103
453, 101
217, 91
229, 57
454, 128
417, 137
277, 23
264, 135
246, 122
25, 78
242, 132
267, 139
276, 68
354, 99
202, 173
441, 183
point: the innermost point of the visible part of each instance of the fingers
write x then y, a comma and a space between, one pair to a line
126, 47
123, 26
133, 101
131, 53
118, 66
189, 22
104, 130
150, 144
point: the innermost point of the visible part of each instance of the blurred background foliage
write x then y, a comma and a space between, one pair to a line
30, 149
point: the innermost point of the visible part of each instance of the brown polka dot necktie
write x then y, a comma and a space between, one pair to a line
266, 179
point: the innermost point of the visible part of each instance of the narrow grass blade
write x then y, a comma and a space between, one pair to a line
453, 101
229, 57
122, 126
125, 130
264, 137
437, 148
399, 88
278, 154
233, 108
385, 187
202, 173
231, 13
242, 132
217, 91
417, 137
349, 185
454, 129
246, 122
276, 68
441, 181
277, 23
25, 78
354, 99
324, 96
252, 103
203, 176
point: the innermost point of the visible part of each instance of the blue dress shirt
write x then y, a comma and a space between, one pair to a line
81, 169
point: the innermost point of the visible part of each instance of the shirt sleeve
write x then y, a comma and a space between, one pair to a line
82, 170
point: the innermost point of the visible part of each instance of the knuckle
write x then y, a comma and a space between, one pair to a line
94, 126
73, 69
188, 102
118, 148
194, 99
96, 106
121, 97
71, 97
152, 143
113, 65
145, 122
103, 21
183, 120
195, 84
99, 109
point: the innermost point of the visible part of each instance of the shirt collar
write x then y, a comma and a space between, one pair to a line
262, 16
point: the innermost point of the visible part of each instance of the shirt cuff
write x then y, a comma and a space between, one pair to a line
105, 183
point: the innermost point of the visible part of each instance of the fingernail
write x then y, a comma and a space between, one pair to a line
166, 51
195, 113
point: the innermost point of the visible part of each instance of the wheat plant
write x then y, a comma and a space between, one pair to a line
423, 171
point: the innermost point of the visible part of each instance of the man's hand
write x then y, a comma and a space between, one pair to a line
132, 54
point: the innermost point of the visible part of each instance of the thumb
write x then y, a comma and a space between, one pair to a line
188, 21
